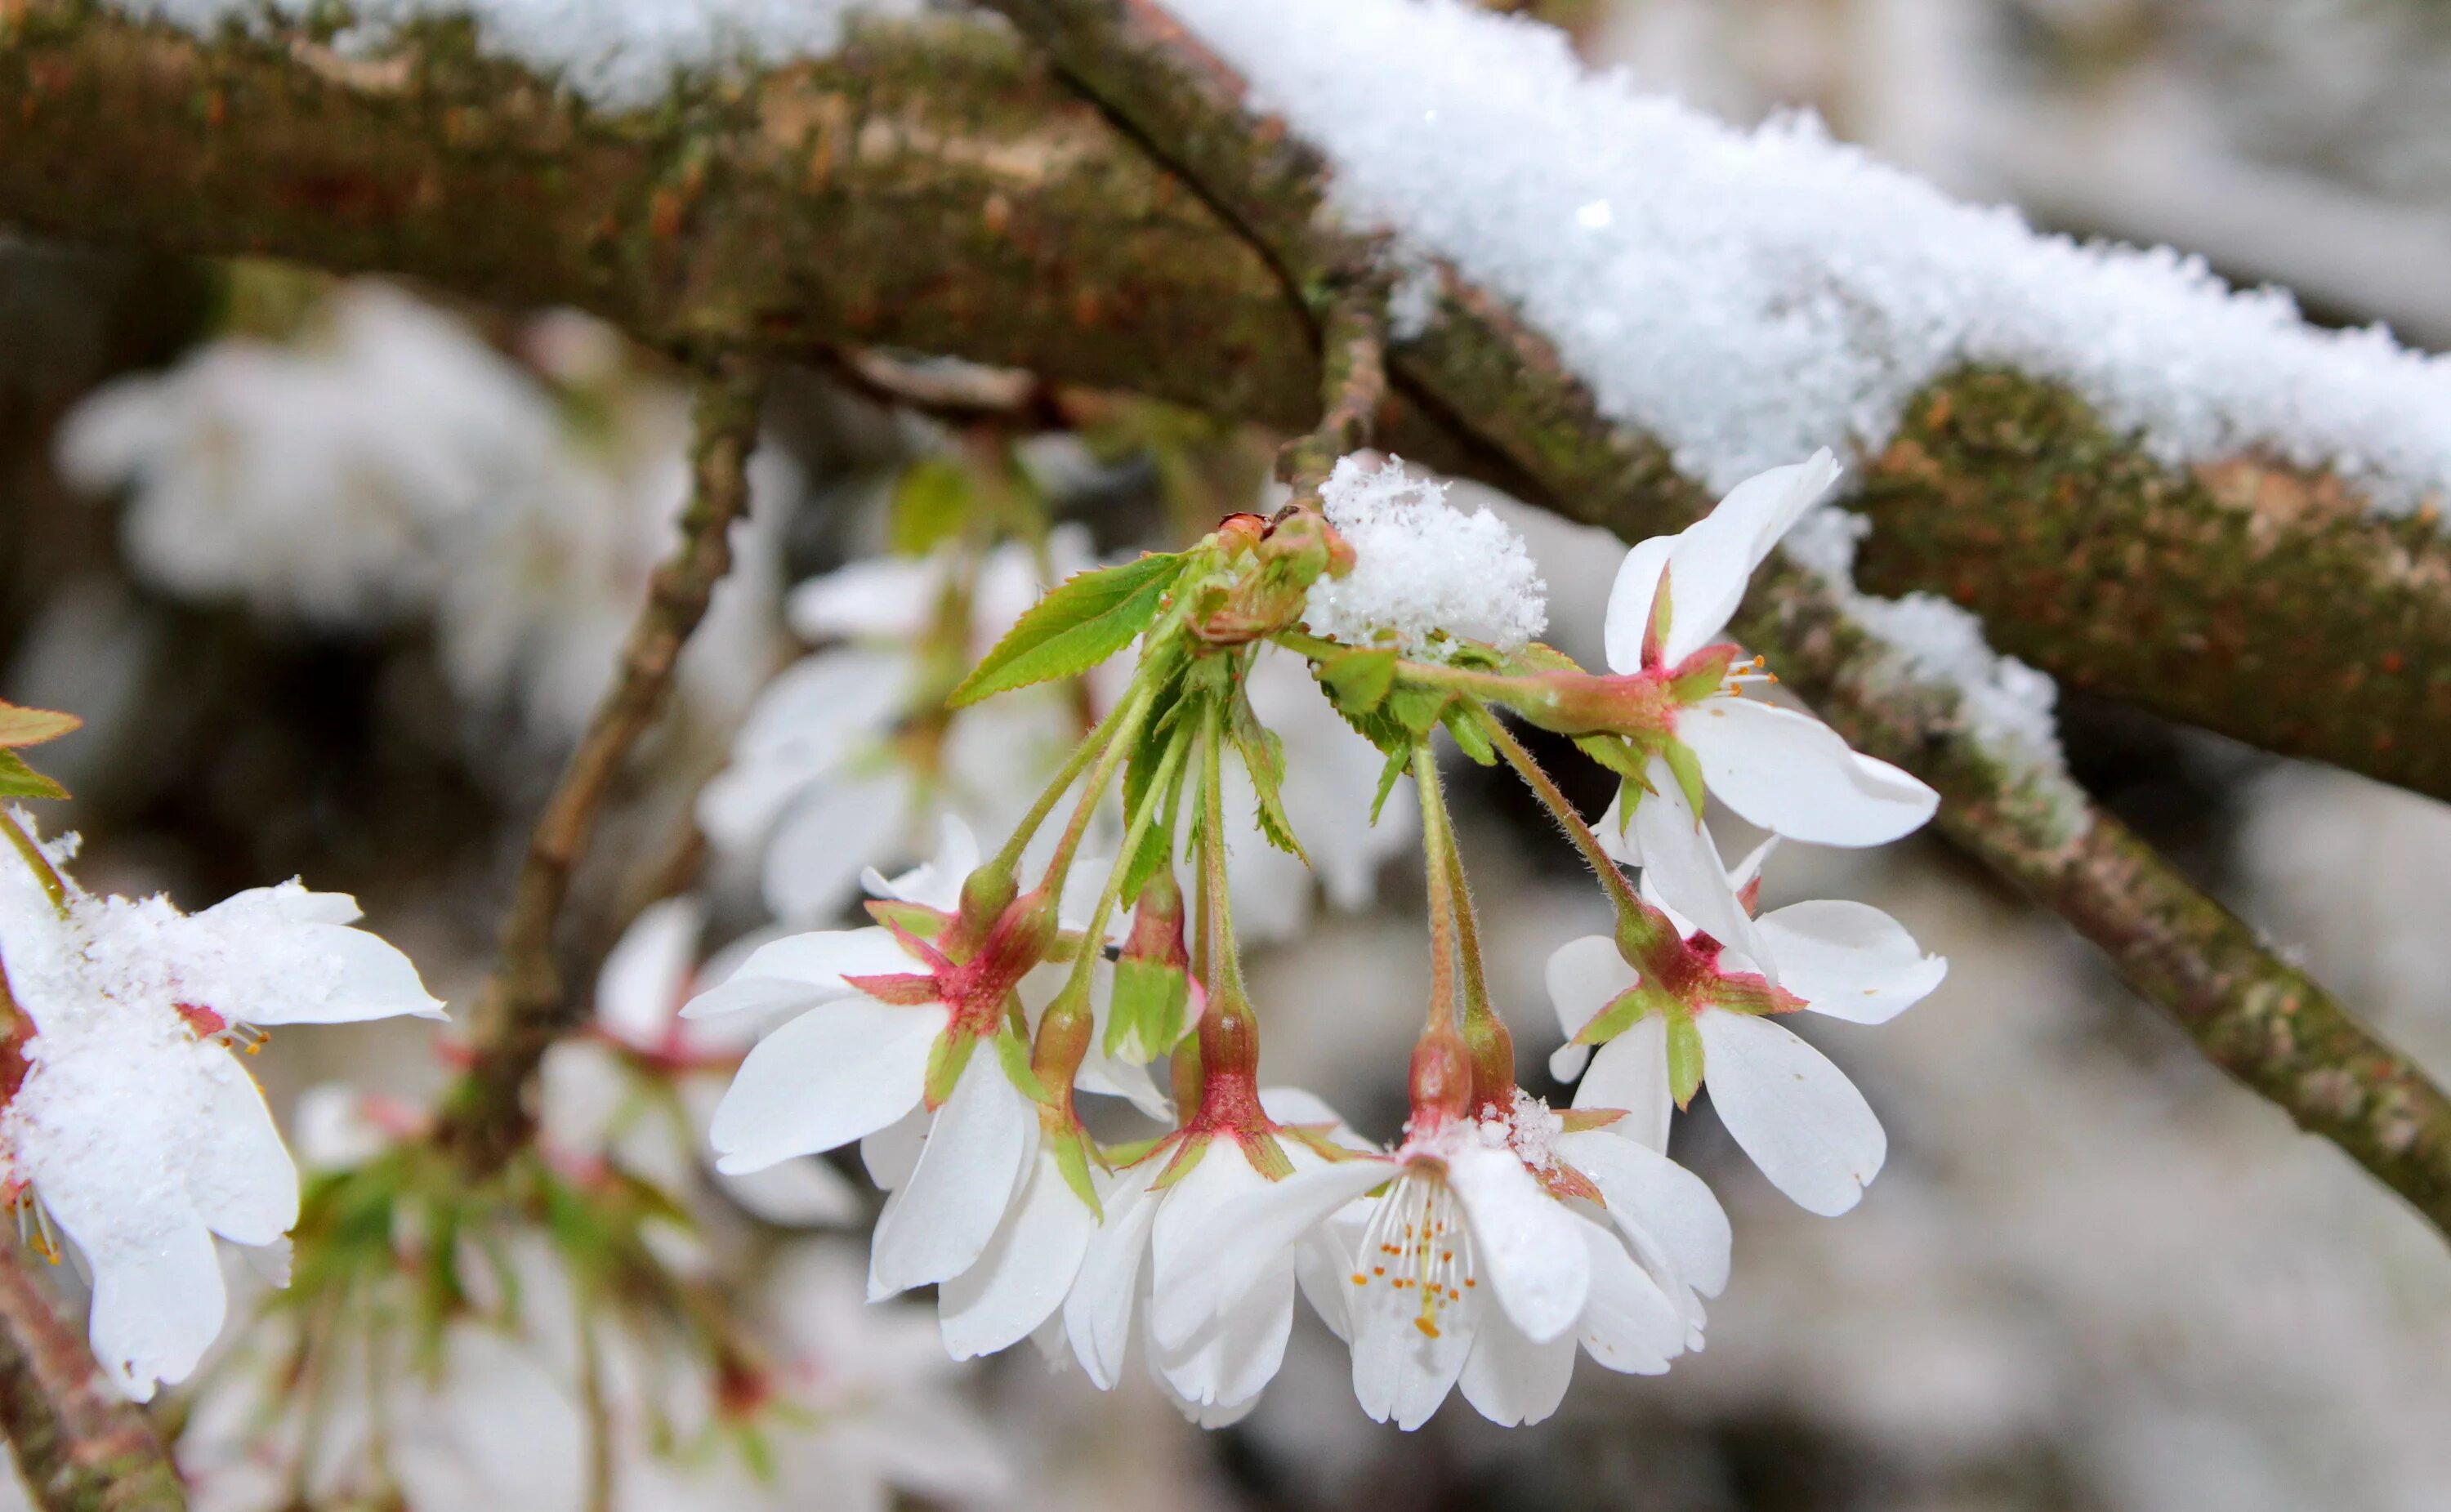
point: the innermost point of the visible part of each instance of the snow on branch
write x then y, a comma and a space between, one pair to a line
1747, 297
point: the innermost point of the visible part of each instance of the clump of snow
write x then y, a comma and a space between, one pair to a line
620, 54
2005, 704
1530, 1129
1425, 574
1748, 297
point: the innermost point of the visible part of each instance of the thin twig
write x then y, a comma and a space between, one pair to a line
80, 1445
2249, 1011
525, 1008
1353, 385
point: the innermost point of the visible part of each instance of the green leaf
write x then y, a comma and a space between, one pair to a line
1082, 622
1417, 709
18, 780
1358, 681
24, 726
930, 501
1684, 1058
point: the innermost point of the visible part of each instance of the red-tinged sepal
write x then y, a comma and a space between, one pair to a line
945, 1059
1267, 1156
1587, 1119
901, 988
1188, 1154
909, 920
1566, 1183
1702, 673
1655, 632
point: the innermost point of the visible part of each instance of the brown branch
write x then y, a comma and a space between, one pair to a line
2253, 1014
1353, 387
928, 187
80, 1445
524, 1007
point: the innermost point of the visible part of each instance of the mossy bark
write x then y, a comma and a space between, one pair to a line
80, 1446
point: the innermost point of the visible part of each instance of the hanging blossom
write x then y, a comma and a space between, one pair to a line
639, 1091
1700, 1014
1777, 768
135, 1128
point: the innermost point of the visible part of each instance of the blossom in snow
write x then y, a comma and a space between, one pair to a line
1794, 1112
641, 1090
1780, 769
135, 1129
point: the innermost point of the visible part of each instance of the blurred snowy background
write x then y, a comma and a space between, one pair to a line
333, 572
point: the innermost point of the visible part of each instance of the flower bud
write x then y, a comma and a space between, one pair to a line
1153, 987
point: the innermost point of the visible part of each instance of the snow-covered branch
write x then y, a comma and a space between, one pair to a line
925, 188
2009, 803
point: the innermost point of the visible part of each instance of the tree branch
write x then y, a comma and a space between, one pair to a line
927, 187
2258, 1017
1353, 387
525, 1008
80, 1445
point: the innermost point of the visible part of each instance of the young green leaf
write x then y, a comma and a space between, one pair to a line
1469, 736
18, 780
23, 726
1082, 622
932, 498
1358, 681
1264, 756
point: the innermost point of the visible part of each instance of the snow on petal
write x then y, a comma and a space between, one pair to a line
1794, 1112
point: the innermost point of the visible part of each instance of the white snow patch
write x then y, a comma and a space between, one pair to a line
1749, 297
1425, 574
620, 54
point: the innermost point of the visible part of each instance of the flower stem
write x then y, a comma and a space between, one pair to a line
1223, 969
1646, 923
1094, 934
1437, 853
1092, 745
1122, 728
54, 886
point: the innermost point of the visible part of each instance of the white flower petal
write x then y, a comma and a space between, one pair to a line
1021, 1276
838, 1071
158, 1304
1849, 960
648, 969
1402, 1371
239, 1172
1631, 1073
1681, 864
935, 1226
1584, 977
1797, 1116
1525, 1238
801, 1193
1212, 1250
806, 968
1512, 1380
1226, 1364
892, 1152
1715, 558
1628, 1325
1098, 1314
1324, 1265
1630, 601
1789, 772
1648, 1191
837, 830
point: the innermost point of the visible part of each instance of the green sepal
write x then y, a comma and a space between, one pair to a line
1119, 1156
930, 501
1190, 1153
18, 780
1399, 762
1655, 634
1704, 675
1359, 682
1463, 727
1684, 1058
1263, 757
1267, 1157
1613, 752
1074, 1161
945, 1059
1078, 624
1147, 1007
1314, 1138
1687, 769
1622, 1012
916, 918
1012, 1052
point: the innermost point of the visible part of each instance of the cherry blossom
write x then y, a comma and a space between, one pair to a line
1796, 1113
135, 1128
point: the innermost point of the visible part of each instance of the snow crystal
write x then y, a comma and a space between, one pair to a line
620, 54
1749, 297
1425, 573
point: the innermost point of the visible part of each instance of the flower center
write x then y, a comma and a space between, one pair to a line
207, 1025
1416, 1242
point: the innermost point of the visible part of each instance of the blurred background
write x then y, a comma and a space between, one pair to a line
333, 572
